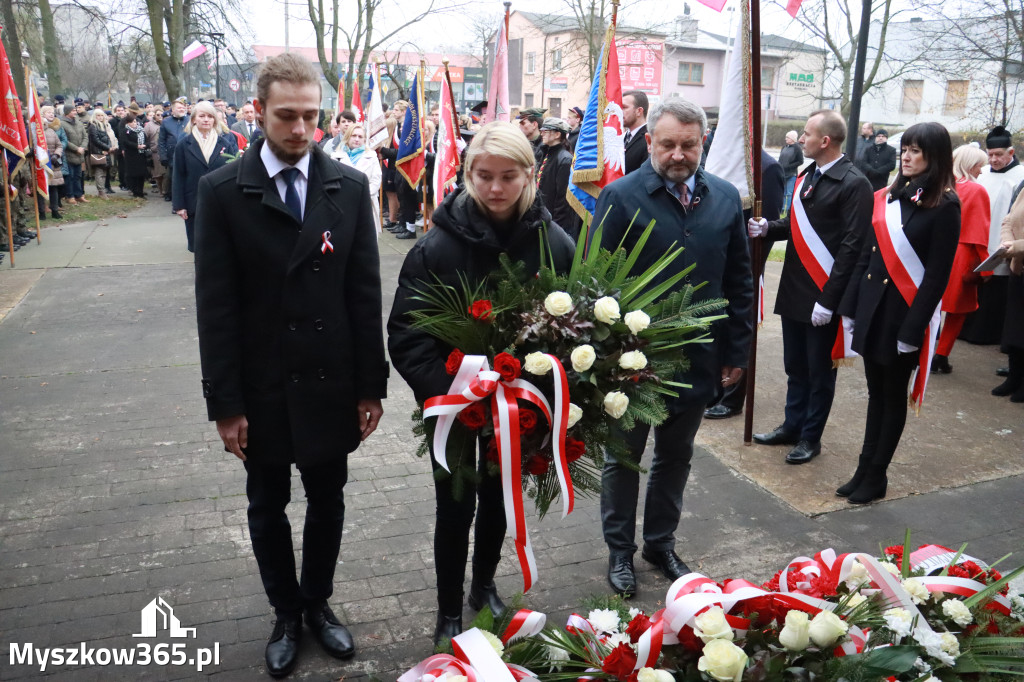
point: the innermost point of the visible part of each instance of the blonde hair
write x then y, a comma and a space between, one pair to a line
348, 133
502, 139
965, 158
203, 107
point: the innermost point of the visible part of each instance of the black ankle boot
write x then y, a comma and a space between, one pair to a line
483, 591
448, 627
1014, 378
847, 488
871, 488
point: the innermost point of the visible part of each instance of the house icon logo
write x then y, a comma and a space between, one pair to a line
158, 615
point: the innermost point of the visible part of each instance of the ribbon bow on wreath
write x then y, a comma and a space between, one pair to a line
476, 381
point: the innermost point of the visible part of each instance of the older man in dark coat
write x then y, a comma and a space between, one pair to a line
289, 304
702, 213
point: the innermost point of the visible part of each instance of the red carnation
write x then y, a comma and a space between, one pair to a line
620, 662
773, 584
574, 449
538, 465
690, 641
507, 366
638, 626
474, 416
454, 362
527, 420
481, 310
764, 607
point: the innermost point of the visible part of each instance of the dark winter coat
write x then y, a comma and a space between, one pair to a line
77, 136
636, 150
714, 237
791, 158
877, 161
170, 130
554, 167
99, 140
134, 159
190, 166
289, 333
462, 240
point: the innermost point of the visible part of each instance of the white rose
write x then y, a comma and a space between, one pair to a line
493, 640
615, 403
958, 611
583, 357
537, 363
915, 588
604, 620
558, 303
826, 627
633, 359
898, 620
723, 660
794, 635
712, 625
606, 309
652, 675
575, 414
950, 644
858, 576
457, 678
637, 321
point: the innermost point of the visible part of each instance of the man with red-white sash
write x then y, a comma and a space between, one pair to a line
830, 215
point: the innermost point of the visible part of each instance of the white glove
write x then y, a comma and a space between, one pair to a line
820, 316
848, 325
757, 227
905, 348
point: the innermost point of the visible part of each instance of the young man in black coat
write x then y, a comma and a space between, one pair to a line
832, 204
634, 119
878, 160
289, 304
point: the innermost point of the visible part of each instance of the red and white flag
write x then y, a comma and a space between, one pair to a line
446, 163
357, 101
192, 51
377, 129
497, 95
13, 137
38, 141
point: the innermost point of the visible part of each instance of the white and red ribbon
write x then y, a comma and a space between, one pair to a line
327, 245
525, 623
475, 381
474, 658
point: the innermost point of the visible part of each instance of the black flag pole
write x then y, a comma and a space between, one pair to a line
756, 245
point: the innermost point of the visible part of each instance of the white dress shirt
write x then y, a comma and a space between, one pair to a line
274, 167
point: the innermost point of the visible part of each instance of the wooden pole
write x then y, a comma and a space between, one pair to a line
757, 245
419, 102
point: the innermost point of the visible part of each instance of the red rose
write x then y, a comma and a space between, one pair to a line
574, 449
507, 366
454, 362
690, 641
638, 626
538, 465
492, 451
474, 416
481, 310
527, 420
620, 662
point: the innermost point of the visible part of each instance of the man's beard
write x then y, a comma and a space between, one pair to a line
287, 157
677, 172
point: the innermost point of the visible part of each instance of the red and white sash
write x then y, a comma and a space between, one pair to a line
817, 260
906, 270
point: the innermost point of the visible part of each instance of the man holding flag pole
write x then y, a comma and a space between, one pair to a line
412, 158
13, 138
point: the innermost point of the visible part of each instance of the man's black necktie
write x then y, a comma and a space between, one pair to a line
250, 131
814, 182
629, 136
291, 195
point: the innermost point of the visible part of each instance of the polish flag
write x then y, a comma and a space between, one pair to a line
192, 51
497, 96
357, 102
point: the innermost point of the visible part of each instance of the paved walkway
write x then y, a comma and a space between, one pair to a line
115, 491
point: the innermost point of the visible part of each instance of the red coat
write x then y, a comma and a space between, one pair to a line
975, 221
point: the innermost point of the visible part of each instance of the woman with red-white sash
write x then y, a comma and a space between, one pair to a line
894, 296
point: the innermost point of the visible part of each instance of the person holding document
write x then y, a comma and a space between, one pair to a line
1012, 240
893, 298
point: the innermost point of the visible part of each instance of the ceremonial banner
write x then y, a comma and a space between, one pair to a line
13, 137
446, 163
192, 51
497, 94
412, 160
341, 94
38, 140
376, 124
357, 101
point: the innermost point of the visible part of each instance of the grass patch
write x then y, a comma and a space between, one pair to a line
96, 209
778, 252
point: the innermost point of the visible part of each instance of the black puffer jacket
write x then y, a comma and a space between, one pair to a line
462, 240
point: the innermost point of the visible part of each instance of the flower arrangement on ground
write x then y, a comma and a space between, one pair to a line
927, 615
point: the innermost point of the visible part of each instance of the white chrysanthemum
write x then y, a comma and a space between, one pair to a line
958, 611
922, 665
556, 655
950, 644
617, 639
494, 642
898, 620
1017, 606
857, 577
919, 594
855, 601
604, 620
891, 567
933, 645
634, 612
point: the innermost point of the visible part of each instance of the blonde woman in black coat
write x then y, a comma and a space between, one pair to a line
894, 295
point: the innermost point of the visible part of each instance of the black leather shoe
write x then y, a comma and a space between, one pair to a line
668, 561
621, 575
167, 197
1003, 372
332, 635
940, 365
406, 235
869, 490
720, 411
56, 215
804, 452
481, 595
283, 648
448, 627
779, 436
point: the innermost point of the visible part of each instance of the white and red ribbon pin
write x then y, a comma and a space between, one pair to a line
327, 243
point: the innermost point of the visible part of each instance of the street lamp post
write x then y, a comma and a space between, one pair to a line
217, 37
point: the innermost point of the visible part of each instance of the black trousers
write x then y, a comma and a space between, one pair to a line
136, 183
268, 487
456, 507
811, 387
887, 408
408, 201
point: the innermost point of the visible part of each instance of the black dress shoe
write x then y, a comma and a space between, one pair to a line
720, 411
332, 635
804, 452
668, 561
481, 595
283, 648
167, 197
940, 365
870, 489
1003, 372
621, 575
779, 436
448, 627
406, 235
56, 215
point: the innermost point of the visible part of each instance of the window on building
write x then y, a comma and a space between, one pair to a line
956, 98
690, 73
531, 62
555, 106
556, 59
768, 77
527, 100
912, 91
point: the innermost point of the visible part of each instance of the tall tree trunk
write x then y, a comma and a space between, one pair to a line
166, 50
12, 43
51, 49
